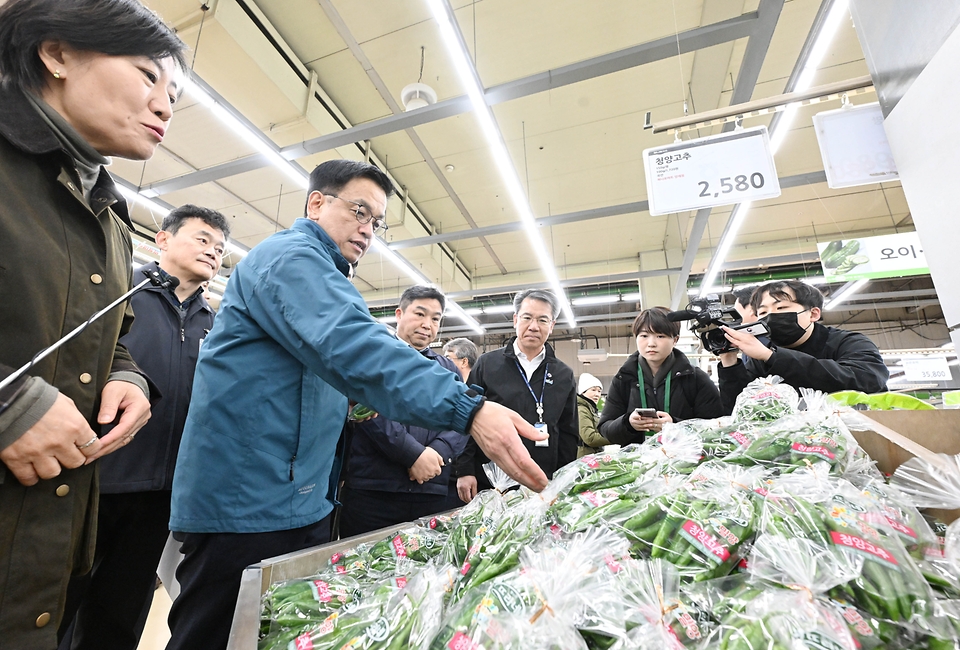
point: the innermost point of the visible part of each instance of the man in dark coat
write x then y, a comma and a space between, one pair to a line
399, 472
135, 482
801, 350
526, 376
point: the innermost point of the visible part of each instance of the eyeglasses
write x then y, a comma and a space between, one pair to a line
526, 319
359, 211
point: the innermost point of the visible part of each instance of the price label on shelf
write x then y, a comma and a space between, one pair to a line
716, 170
926, 369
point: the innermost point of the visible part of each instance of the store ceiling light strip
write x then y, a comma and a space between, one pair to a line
254, 139
418, 278
457, 51
804, 81
845, 293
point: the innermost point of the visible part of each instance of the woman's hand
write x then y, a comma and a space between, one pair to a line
650, 424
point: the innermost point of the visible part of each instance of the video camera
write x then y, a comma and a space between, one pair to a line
710, 315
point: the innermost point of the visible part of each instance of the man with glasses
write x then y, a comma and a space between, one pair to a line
526, 376
293, 340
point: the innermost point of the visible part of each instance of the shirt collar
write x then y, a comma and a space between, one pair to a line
521, 355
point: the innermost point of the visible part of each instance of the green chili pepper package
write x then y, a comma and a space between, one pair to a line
765, 399
474, 521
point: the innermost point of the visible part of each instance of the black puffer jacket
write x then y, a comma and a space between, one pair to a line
497, 374
830, 360
692, 395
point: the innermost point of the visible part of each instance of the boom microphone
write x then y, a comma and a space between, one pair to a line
153, 277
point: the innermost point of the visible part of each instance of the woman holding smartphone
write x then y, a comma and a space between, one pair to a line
656, 385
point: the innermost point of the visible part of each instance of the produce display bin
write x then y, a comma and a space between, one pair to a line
895, 437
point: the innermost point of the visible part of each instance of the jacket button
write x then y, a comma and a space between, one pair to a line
96, 278
63, 490
43, 619
86, 378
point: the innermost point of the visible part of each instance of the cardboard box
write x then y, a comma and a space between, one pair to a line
898, 436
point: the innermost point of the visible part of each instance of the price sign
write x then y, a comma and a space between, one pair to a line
854, 146
715, 170
926, 369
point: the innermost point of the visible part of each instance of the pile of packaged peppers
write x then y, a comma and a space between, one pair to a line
768, 531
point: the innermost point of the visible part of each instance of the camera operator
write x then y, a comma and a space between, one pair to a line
801, 350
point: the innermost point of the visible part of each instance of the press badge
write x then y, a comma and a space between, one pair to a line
543, 429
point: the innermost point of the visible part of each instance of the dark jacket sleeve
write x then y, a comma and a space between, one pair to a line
393, 440
708, 404
615, 419
733, 380
856, 365
449, 444
569, 425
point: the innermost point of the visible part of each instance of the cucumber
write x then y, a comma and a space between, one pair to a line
837, 259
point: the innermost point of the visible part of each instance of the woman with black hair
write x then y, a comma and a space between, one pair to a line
657, 377
80, 81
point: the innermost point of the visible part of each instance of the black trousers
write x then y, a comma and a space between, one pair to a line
108, 606
366, 510
209, 577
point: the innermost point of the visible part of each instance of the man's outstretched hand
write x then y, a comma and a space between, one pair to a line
497, 431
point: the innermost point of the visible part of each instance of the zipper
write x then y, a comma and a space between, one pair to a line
292, 460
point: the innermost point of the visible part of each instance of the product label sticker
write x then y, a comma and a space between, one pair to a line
705, 542
321, 591
461, 641
819, 451
870, 551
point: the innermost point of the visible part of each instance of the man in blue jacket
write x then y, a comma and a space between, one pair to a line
398, 472
292, 342
135, 481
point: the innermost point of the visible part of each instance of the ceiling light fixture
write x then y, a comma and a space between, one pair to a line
596, 300
720, 289
197, 90
457, 51
845, 293
822, 42
401, 263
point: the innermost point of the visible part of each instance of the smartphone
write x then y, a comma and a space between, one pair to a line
646, 413
757, 328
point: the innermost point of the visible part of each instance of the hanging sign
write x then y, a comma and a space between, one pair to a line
926, 369
854, 146
716, 170
886, 256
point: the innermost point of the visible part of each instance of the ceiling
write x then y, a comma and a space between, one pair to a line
569, 84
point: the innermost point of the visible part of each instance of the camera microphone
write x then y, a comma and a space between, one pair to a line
153, 277
683, 314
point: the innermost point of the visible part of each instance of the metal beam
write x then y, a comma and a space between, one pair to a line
753, 57
690, 255
900, 304
700, 37
571, 217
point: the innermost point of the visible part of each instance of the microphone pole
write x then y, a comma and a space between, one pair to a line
153, 277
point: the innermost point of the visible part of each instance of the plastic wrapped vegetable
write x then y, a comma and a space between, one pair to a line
474, 521
499, 479
413, 543
765, 399
297, 603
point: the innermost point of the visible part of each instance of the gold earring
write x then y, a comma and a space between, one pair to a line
56, 74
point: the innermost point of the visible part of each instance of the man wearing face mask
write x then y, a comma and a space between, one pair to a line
801, 350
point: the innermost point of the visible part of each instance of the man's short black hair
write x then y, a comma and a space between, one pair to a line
112, 27
422, 292
330, 177
655, 321
744, 296
463, 349
803, 294
176, 218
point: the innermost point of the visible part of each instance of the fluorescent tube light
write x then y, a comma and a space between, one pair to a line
632, 297
149, 204
459, 57
458, 312
726, 241
596, 300
844, 294
499, 309
717, 289
254, 139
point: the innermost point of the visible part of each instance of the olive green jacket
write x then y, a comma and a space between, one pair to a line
60, 261
589, 416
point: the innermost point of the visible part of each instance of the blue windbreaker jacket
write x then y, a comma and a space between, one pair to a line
292, 341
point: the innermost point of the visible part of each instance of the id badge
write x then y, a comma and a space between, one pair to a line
543, 429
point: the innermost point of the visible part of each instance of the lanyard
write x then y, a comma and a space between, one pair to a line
543, 391
643, 390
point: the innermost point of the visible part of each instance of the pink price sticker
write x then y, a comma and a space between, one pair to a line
591, 462
321, 591
612, 563
336, 557
871, 551
814, 450
401, 582
904, 530
399, 549
704, 541
461, 641
739, 438
303, 642
464, 568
